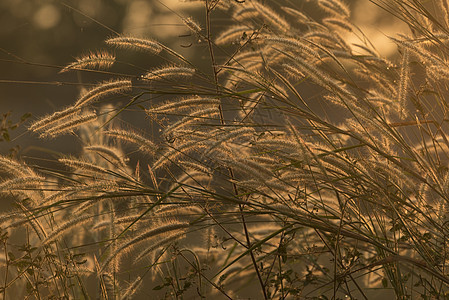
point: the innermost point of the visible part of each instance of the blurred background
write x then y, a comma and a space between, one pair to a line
39, 37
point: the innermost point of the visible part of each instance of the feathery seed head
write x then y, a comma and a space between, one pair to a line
168, 72
83, 165
244, 12
301, 17
192, 24
103, 89
147, 45
14, 167
335, 7
165, 230
69, 225
69, 125
293, 43
21, 183
144, 144
113, 155
183, 104
99, 59
271, 16
338, 23
46, 122
233, 34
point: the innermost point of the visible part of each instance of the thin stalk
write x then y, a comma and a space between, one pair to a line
207, 279
6, 269
209, 8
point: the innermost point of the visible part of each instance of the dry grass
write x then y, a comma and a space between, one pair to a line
251, 189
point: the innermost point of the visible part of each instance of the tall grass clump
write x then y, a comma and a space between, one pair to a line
295, 166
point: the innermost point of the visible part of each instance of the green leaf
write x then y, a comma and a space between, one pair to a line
11, 256
384, 282
158, 287
25, 117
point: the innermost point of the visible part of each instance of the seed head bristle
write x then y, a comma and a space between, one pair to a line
192, 24
111, 154
14, 167
244, 12
21, 183
132, 288
103, 89
169, 238
69, 225
69, 125
338, 23
295, 13
183, 104
49, 120
403, 86
233, 34
83, 165
99, 59
173, 153
271, 16
162, 231
144, 144
206, 113
168, 72
335, 7
148, 45
293, 43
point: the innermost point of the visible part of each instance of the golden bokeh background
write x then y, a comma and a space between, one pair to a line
39, 37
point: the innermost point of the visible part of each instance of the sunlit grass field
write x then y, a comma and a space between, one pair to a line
295, 165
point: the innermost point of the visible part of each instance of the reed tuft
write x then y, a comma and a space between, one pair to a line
298, 163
